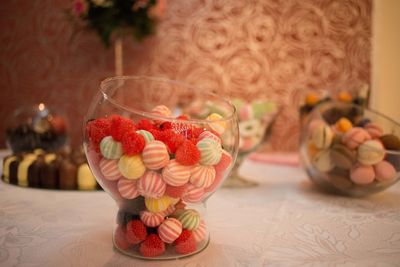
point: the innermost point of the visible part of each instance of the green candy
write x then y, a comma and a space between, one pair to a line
210, 151
190, 219
148, 137
110, 149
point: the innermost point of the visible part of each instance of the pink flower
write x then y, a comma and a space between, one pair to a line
158, 10
79, 7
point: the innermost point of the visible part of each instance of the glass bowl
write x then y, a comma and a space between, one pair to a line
160, 159
349, 150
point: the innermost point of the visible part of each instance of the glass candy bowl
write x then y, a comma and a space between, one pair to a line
348, 150
160, 161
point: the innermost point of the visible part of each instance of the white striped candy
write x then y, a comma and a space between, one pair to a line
202, 176
155, 155
162, 110
110, 149
148, 137
127, 188
193, 194
151, 219
170, 230
151, 185
200, 232
176, 174
190, 219
210, 151
109, 169
169, 210
210, 135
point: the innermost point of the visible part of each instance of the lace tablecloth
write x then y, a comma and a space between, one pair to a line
282, 222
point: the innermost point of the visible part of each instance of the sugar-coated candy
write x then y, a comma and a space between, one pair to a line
110, 149
322, 136
132, 143
131, 167
152, 246
190, 219
384, 171
120, 238
210, 151
210, 135
374, 130
355, 137
370, 152
322, 161
362, 174
135, 232
185, 243
148, 137
193, 194
176, 174
200, 232
128, 188
151, 219
157, 204
155, 155
109, 169
175, 191
187, 154
343, 125
119, 126
151, 185
202, 176
169, 230
216, 123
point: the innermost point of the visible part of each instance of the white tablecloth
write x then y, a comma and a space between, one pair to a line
282, 222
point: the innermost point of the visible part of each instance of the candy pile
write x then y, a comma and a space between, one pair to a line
352, 151
158, 169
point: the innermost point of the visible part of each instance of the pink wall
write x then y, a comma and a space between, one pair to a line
241, 48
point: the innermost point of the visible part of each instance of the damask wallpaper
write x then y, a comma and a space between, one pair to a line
252, 48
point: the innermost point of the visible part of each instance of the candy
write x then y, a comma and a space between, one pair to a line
193, 194
135, 232
145, 125
190, 219
110, 149
216, 123
171, 139
151, 219
384, 171
86, 180
151, 185
343, 125
210, 135
390, 142
128, 188
162, 110
202, 176
374, 130
370, 152
131, 167
355, 137
249, 128
345, 97
170, 230
175, 191
153, 246
210, 151
157, 205
120, 238
246, 113
322, 161
171, 208
176, 174
362, 174
311, 99
200, 232
155, 155
133, 143
185, 243
98, 129
148, 137
342, 156
322, 136
187, 154
119, 126
109, 169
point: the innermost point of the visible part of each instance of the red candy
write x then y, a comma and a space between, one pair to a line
120, 126
133, 143
187, 154
151, 247
97, 130
175, 191
120, 239
145, 125
185, 243
135, 232
171, 139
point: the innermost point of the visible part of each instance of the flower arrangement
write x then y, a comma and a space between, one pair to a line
122, 17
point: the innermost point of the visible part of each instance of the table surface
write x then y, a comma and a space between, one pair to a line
284, 221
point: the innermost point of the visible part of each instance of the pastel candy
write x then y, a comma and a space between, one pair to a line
169, 230
200, 232
148, 137
151, 219
110, 149
322, 136
210, 151
193, 194
109, 169
362, 174
131, 167
202, 176
151, 185
210, 135
155, 155
374, 130
171, 208
176, 174
220, 169
355, 137
322, 161
190, 219
162, 110
370, 152
384, 171
128, 188
86, 180
157, 205
216, 123
342, 156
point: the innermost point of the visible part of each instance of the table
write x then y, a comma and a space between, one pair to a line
284, 221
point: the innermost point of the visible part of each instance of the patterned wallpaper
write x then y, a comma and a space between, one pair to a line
254, 49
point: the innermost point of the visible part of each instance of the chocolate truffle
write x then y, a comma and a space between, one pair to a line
49, 175
34, 172
390, 142
68, 175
